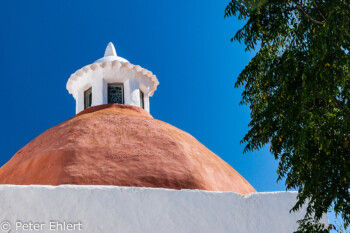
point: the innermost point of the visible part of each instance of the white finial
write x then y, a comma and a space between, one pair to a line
110, 50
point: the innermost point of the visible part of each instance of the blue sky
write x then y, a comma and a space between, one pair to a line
185, 43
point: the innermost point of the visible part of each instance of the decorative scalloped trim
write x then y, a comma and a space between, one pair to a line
114, 65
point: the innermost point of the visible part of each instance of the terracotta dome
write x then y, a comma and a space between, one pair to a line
121, 145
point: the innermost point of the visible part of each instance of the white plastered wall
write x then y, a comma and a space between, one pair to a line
153, 210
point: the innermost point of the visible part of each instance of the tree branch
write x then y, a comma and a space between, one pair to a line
300, 6
319, 10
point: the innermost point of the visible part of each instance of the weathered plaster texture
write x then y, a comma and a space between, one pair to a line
121, 145
152, 210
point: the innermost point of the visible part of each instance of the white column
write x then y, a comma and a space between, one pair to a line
127, 92
97, 92
79, 102
146, 100
104, 92
134, 93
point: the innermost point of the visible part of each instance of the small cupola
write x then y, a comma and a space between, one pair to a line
112, 80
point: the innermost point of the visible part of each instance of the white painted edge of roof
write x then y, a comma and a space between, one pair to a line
113, 65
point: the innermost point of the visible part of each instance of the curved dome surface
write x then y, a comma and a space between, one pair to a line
124, 146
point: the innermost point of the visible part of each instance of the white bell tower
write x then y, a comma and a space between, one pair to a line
112, 80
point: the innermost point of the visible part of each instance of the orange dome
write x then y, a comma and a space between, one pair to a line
121, 145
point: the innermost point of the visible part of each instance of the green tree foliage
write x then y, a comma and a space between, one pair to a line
308, 225
298, 89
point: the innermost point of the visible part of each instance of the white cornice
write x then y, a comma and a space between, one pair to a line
115, 65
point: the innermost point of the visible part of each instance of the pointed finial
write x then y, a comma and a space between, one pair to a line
110, 50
